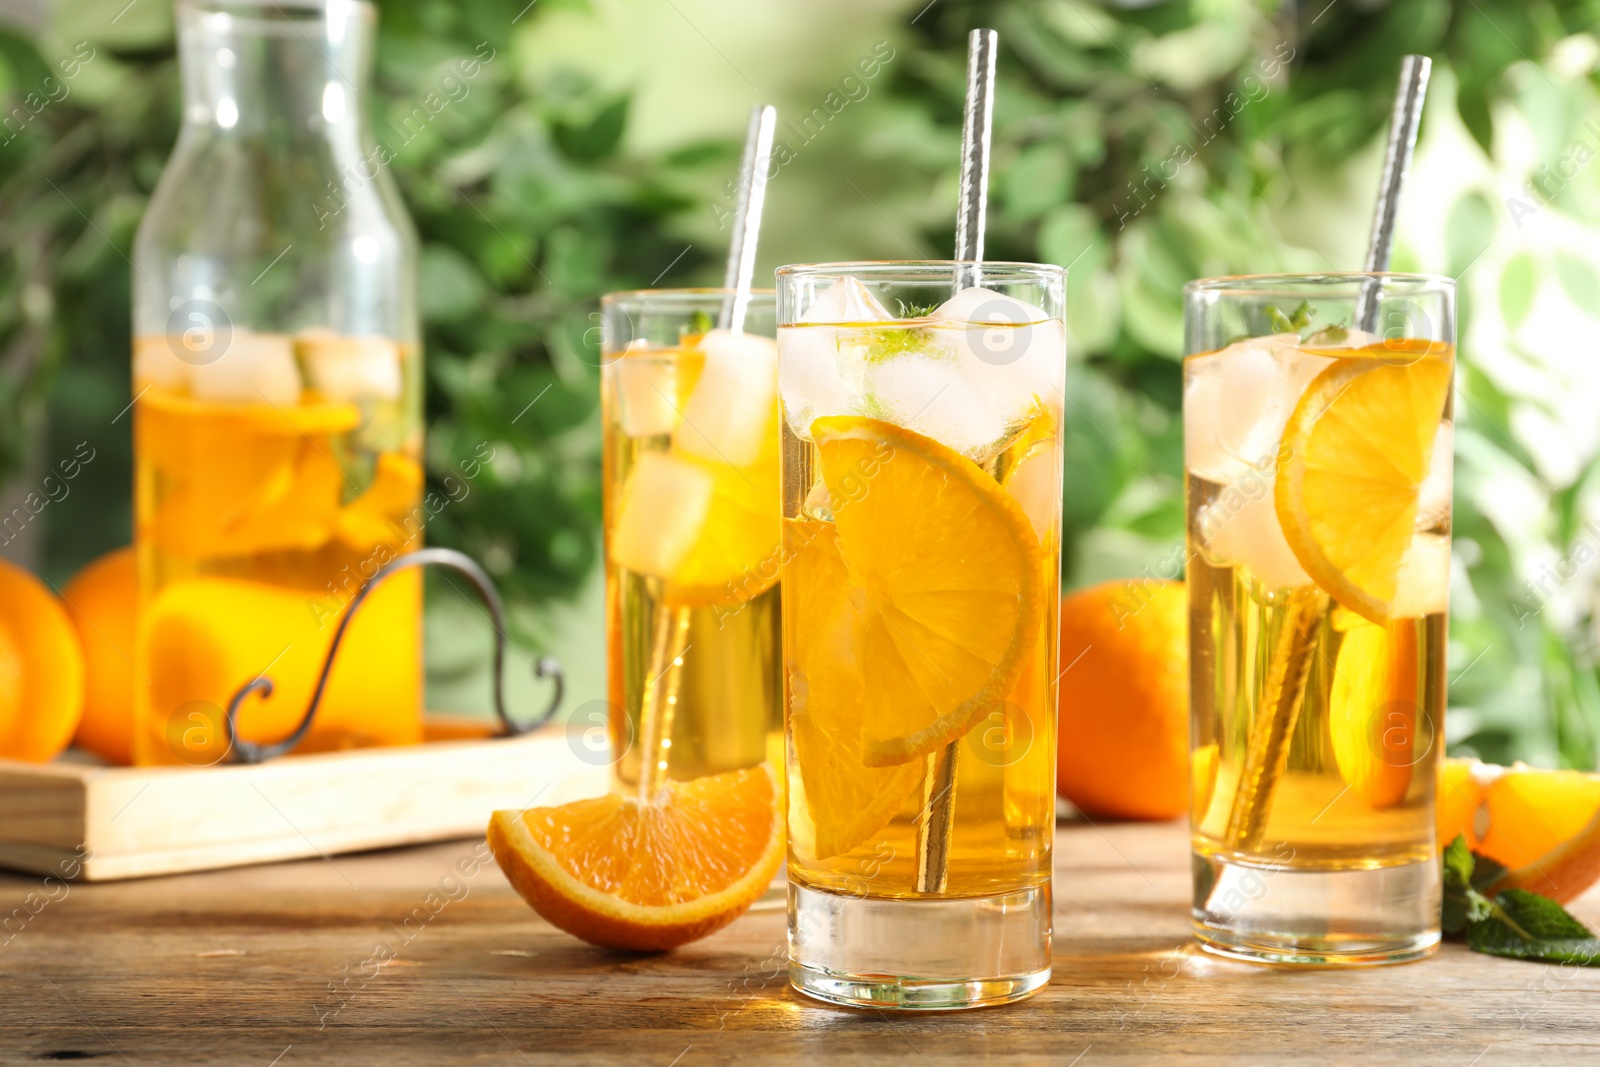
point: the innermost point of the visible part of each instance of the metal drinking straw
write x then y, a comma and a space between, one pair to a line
1403, 126
939, 783
747, 216
671, 637
1268, 747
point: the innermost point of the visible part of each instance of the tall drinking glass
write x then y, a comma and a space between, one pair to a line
690, 484
1317, 459
922, 520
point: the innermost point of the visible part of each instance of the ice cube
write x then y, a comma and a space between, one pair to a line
350, 368
1013, 353
645, 390
729, 412
808, 377
1236, 402
846, 300
254, 368
1433, 498
156, 363
1423, 584
933, 397
664, 504
1239, 528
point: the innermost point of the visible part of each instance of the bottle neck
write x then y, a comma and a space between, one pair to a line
288, 71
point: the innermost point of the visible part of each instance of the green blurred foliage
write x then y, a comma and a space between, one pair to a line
1146, 145
1142, 145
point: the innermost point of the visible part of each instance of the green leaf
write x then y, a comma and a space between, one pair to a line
1485, 871
598, 136
1280, 322
1472, 102
450, 285
1468, 231
1458, 864
1462, 905
1517, 283
1525, 925
1578, 278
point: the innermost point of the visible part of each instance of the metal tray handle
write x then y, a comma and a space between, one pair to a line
242, 751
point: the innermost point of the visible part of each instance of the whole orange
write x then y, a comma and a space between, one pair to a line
41, 669
1124, 700
102, 602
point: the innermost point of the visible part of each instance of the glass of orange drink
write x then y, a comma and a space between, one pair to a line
690, 494
1317, 459
921, 443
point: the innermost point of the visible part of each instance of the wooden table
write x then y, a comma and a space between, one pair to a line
398, 958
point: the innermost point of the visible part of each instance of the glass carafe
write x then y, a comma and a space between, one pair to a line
277, 378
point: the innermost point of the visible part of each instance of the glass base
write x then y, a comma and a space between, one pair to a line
1271, 914
931, 955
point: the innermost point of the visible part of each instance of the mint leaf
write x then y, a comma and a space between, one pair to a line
885, 343
1280, 322
1485, 872
1458, 864
1524, 925
1302, 316
909, 310
1462, 904
699, 323
1329, 335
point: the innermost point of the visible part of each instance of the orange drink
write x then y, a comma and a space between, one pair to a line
1318, 473
922, 509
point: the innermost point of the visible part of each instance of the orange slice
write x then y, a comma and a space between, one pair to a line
835, 801
1543, 825
647, 876
947, 566
1354, 455
1372, 716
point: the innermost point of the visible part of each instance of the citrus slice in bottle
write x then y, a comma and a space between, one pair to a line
947, 566
647, 876
1354, 455
835, 802
1542, 825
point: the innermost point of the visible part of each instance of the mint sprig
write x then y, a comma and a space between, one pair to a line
700, 323
1515, 923
1293, 323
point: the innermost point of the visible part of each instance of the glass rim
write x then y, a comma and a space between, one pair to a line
919, 270
687, 295
1267, 284
276, 13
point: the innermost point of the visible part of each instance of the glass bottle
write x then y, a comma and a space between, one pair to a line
277, 377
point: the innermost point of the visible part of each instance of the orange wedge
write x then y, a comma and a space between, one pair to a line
947, 566
1350, 470
1543, 825
1372, 714
835, 801
621, 873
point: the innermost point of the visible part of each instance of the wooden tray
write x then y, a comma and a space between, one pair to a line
94, 823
